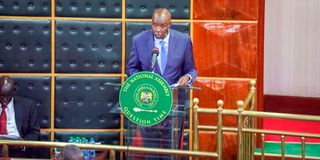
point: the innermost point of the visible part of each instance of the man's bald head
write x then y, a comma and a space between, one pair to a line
6, 89
71, 152
161, 14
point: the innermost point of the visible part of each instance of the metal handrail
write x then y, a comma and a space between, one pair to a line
286, 156
112, 148
197, 110
246, 129
240, 112
262, 114
251, 96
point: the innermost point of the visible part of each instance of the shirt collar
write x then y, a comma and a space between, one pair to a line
166, 39
10, 104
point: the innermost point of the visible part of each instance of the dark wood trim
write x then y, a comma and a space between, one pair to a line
260, 61
260, 51
292, 104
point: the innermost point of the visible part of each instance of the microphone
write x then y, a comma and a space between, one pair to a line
155, 53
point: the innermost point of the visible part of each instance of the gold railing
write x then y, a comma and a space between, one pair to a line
247, 131
246, 146
247, 140
112, 148
282, 134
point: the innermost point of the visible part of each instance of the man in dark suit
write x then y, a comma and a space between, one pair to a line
175, 63
18, 118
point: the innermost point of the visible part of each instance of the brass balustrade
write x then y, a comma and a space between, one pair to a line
246, 132
246, 128
243, 151
242, 121
111, 148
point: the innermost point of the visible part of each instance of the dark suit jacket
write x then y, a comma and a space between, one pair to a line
180, 59
26, 116
27, 124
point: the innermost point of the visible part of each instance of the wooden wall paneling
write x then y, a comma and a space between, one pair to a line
215, 89
225, 49
226, 9
228, 43
208, 143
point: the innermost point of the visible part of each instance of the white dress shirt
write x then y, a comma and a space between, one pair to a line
11, 120
158, 45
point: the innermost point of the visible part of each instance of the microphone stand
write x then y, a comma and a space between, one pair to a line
153, 67
155, 53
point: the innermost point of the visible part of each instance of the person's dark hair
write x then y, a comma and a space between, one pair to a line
71, 152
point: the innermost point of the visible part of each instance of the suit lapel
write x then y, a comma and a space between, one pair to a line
171, 47
18, 113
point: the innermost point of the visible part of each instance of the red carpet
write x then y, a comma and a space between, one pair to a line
291, 125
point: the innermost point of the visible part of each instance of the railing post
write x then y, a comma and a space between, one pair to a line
253, 89
246, 146
303, 147
283, 149
262, 146
112, 155
195, 125
240, 141
252, 120
5, 150
219, 130
252, 137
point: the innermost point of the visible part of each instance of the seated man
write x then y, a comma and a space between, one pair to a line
18, 118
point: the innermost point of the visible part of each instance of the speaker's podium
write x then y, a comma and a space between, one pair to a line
155, 126
166, 134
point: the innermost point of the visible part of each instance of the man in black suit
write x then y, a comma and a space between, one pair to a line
18, 118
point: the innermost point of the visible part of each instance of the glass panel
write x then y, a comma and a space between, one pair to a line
225, 9
226, 49
166, 134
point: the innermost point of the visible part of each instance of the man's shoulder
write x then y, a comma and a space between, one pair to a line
179, 34
143, 35
22, 100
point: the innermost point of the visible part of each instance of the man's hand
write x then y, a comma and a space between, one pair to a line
183, 81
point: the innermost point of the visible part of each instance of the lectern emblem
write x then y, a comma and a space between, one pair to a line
145, 98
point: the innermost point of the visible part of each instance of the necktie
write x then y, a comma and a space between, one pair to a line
3, 120
163, 56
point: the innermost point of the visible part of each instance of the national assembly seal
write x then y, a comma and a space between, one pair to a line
145, 98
